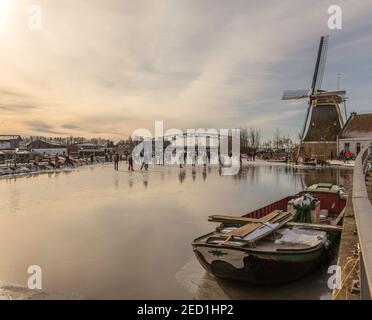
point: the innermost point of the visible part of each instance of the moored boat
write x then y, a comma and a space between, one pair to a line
242, 248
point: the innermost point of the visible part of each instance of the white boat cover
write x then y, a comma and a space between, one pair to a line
303, 236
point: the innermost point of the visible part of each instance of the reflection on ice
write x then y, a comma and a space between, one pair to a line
105, 234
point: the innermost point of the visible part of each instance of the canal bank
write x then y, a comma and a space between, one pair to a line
348, 256
355, 258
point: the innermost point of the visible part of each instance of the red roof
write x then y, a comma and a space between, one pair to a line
358, 126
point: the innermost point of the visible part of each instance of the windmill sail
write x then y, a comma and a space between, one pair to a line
320, 64
295, 94
317, 77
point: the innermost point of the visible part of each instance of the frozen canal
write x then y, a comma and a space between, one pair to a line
105, 234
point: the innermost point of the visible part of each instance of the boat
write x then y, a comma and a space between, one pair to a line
269, 245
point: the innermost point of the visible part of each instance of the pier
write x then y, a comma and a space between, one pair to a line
355, 256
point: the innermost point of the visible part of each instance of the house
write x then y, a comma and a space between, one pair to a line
9, 142
85, 149
47, 147
356, 134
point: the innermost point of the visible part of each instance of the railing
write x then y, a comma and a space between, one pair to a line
363, 216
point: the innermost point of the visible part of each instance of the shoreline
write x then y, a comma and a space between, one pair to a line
244, 164
9, 291
44, 171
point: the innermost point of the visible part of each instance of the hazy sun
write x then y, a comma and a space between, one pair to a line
3, 4
4, 8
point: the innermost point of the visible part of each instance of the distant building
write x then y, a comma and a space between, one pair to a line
356, 134
47, 147
9, 142
85, 149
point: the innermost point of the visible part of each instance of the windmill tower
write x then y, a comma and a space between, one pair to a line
320, 140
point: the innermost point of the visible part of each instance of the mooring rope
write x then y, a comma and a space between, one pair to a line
349, 260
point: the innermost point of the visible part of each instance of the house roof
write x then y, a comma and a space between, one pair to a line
357, 126
10, 137
47, 142
86, 144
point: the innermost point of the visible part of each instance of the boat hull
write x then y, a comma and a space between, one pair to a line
258, 268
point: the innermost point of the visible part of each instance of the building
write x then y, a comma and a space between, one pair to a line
319, 136
47, 147
320, 141
9, 142
85, 149
356, 134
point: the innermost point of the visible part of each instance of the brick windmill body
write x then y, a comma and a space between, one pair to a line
319, 135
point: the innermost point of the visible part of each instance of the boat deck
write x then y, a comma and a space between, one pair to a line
268, 244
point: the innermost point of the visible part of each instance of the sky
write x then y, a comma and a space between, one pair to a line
106, 68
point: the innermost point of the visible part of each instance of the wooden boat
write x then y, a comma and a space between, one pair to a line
290, 251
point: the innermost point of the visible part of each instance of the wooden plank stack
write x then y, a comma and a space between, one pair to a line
262, 227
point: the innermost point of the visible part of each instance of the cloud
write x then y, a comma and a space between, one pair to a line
111, 67
16, 107
16, 102
42, 127
70, 126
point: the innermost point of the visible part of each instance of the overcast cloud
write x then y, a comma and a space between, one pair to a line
108, 67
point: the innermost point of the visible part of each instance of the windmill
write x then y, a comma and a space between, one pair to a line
326, 119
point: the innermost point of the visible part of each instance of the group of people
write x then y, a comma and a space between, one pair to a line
144, 160
57, 161
345, 155
117, 158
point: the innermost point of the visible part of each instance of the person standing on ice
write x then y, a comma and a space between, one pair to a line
145, 161
56, 159
116, 161
68, 161
130, 163
142, 159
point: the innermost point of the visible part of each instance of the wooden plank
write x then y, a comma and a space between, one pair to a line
271, 216
280, 224
261, 232
282, 217
244, 230
339, 217
314, 226
232, 219
222, 218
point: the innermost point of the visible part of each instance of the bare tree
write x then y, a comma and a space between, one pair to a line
277, 138
244, 140
254, 138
